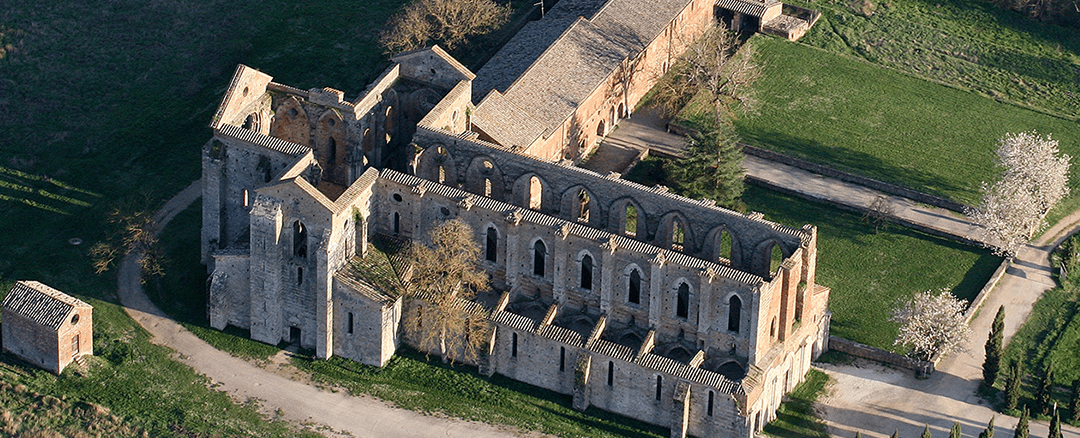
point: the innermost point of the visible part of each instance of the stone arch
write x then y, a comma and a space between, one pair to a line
619, 219
722, 244
491, 243
613, 116
641, 286
252, 122
675, 351
390, 123
622, 110
300, 234
683, 295
436, 164
291, 122
484, 178
539, 257
673, 233
601, 128
579, 204
587, 268
531, 191
765, 257
331, 149
735, 312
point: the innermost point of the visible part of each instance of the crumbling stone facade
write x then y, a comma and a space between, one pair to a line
46, 327
628, 298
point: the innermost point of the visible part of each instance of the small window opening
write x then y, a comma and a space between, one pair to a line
583, 206
709, 411
539, 253
610, 373
397, 223
299, 276
247, 201
513, 344
772, 328
75, 346
331, 146
299, 239
562, 359
397, 197
659, 386
678, 236
442, 174
492, 245
635, 287
586, 272
487, 187
734, 313
683, 302
630, 229
350, 322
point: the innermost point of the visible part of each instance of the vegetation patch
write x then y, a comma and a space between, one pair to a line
873, 121
796, 417
1050, 334
412, 380
26, 414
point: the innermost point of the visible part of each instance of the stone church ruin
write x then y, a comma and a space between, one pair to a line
629, 298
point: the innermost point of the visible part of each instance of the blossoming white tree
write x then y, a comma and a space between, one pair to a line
931, 323
1034, 178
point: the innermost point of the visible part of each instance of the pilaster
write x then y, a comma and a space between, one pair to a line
559, 253
656, 289
324, 304
705, 286
607, 274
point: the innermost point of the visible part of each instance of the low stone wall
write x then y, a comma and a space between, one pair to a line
921, 368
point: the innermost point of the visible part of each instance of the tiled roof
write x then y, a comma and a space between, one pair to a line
571, 67
506, 123
40, 303
750, 7
272, 143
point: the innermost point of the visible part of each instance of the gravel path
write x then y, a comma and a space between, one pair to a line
297, 402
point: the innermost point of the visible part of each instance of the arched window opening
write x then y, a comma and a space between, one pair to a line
776, 257
536, 192
682, 305
331, 146
299, 239
487, 187
622, 110
442, 174
368, 142
397, 223
659, 386
492, 244
612, 117
725, 245
586, 272
635, 287
539, 253
388, 123
772, 328
734, 313
247, 201
630, 228
583, 206
678, 235
251, 122
601, 128
299, 276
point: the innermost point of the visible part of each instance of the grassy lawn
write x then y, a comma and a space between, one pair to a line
869, 272
971, 44
1050, 334
876, 122
796, 417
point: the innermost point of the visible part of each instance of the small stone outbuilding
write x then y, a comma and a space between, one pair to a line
46, 327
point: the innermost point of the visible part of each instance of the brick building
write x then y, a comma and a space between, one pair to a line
631, 299
46, 327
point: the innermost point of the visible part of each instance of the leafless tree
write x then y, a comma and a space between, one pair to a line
931, 324
136, 234
879, 212
1034, 178
449, 23
444, 278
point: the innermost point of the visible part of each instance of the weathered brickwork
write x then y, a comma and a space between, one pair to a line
46, 327
629, 298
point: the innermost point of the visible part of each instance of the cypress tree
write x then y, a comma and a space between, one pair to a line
1055, 425
1022, 425
926, 431
993, 348
955, 433
989, 432
858, 434
711, 166
896, 433
1075, 405
1046, 385
1012, 386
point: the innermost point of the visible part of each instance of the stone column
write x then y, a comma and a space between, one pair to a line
559, 255
607, 274
513, 250
656, 289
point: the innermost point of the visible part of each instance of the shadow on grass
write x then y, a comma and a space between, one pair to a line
849, 160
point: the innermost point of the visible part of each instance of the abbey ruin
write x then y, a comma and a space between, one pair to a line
629, 298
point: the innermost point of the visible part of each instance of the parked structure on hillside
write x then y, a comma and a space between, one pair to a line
630, 298
46, 327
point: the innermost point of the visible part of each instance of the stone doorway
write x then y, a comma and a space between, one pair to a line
294, 335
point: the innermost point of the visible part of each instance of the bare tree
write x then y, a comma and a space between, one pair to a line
449, 23
1034, 178
136, 234
931, 324
879, 212
444, 278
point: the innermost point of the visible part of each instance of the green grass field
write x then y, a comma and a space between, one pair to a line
796, 417
868, 272
970, 44
873, 121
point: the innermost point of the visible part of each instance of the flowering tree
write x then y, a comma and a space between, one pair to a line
931, 324
1034, 178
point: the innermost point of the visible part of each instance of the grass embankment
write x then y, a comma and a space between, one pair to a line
1050, 334
45, 416
868, 272
873, 121
105, 107
796, 417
